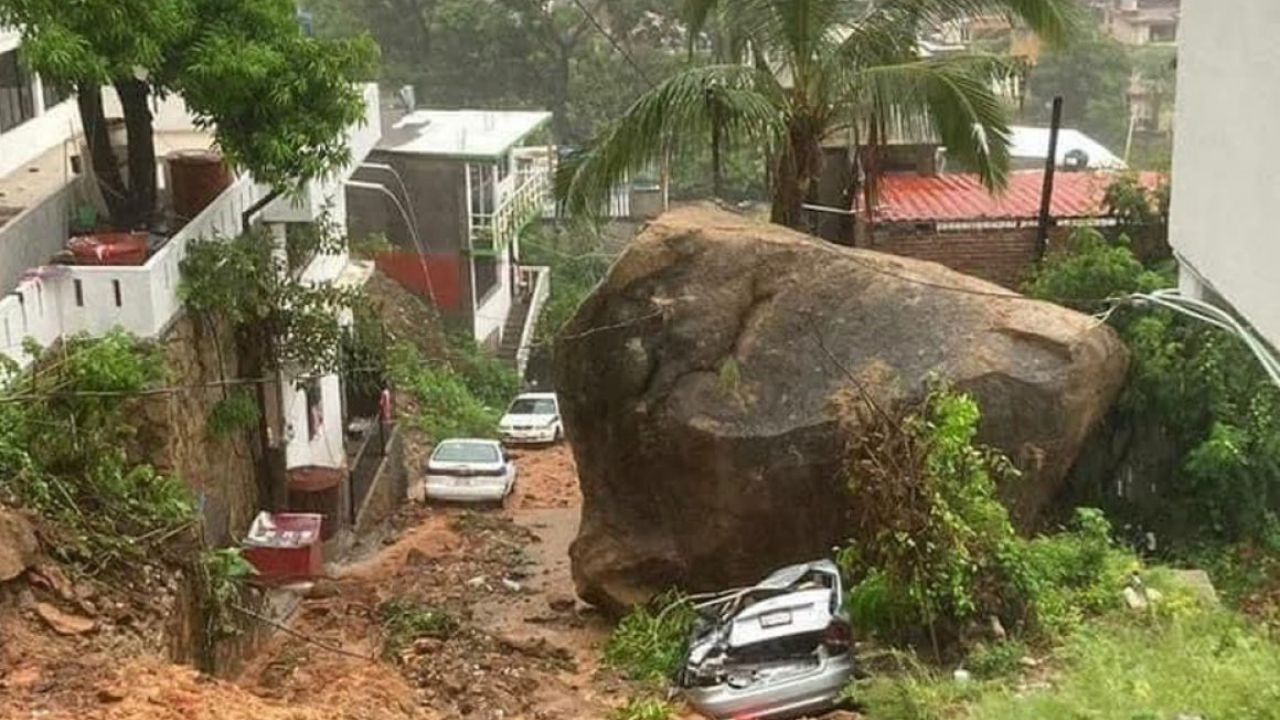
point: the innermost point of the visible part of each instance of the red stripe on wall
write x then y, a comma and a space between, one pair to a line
445, 272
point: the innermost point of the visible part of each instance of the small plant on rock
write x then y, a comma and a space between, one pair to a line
649, 644
405, 621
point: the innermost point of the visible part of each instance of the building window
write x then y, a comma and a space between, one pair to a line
504, 167
1164, 33
486, 276
482, 190
315, 409
16, 102
54, 94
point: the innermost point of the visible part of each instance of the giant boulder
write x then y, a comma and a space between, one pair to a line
696, 385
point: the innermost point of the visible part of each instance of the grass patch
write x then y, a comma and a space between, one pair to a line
1179, 659
405, 621
649, 644
644, 708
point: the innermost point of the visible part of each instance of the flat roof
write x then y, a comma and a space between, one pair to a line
462, 134
1033, 143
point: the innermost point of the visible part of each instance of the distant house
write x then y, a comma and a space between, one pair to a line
954, 220
454, 190
1029, 146
1142, 22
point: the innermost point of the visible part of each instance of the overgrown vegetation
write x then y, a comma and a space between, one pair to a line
235, 413
405, 621
1196, 398
933, 547
65, 452
461, 395
649, 643
644, 708
225, 573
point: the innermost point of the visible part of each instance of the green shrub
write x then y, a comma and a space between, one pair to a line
404, 621
446, 405
934, 547
233, 414
486, 377
64, 453
996, 661
644, 708
649, 644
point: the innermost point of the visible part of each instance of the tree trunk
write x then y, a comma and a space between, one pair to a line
798, 166
142, 151
717, 166
106, 169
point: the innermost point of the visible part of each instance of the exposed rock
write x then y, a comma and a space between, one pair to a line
1197, 582
19, 548
64, 623
696, 386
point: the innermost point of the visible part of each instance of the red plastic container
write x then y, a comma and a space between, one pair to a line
109, 249
285, 547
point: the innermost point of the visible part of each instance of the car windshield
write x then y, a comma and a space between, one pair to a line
467, 453
533, 406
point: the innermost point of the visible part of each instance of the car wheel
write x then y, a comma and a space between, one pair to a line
559, 436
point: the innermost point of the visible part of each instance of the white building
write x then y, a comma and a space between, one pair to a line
40, 190
1226, 182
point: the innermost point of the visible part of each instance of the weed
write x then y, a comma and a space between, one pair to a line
644, 708
997, 661
649, 644
225, 571
233, 414
404, 621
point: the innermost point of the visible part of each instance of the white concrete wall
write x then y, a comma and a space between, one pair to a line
492, 310
326, 449
1226, 162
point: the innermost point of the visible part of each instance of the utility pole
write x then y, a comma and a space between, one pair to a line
1050, 167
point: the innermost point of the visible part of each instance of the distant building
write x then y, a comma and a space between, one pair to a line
472, 181
953, 219
1225, 192
1029, 147
1142, 22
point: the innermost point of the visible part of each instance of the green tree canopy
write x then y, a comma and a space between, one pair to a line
819, 66
277, 101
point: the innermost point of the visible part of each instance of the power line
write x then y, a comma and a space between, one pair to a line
614, 42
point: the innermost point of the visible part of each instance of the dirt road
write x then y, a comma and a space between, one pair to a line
518, 647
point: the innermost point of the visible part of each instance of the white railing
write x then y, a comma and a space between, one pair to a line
496, 231
50, 301
540, 277
144, 299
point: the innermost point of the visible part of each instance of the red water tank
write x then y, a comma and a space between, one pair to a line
196, 179
109, 248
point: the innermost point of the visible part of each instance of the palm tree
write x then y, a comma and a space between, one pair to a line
817, 68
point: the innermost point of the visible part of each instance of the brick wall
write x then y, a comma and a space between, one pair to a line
1004, 257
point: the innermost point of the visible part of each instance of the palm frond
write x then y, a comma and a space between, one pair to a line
676, 114
956, 95
1054, 21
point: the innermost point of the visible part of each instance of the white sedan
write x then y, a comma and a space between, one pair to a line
532, 418
468, 470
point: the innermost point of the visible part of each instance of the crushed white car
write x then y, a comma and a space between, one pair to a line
780, 648
533, 418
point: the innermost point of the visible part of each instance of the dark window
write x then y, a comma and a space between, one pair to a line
54, 94
16, 103
79, 294
315, 409
486, 276
115, 286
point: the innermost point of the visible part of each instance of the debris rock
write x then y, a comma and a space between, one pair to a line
1198, 582
1134, 599
64, 623
110, 694
702, 421
562, 603
962, 676
19, 548
512, 585
322, 589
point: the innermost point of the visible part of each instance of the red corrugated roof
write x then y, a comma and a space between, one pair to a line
909, 197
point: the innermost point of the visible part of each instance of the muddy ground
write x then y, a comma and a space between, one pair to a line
520, 646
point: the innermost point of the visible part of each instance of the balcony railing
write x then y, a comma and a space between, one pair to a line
52, 300
493, 233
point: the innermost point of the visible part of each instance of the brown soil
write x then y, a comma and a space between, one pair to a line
522, 647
